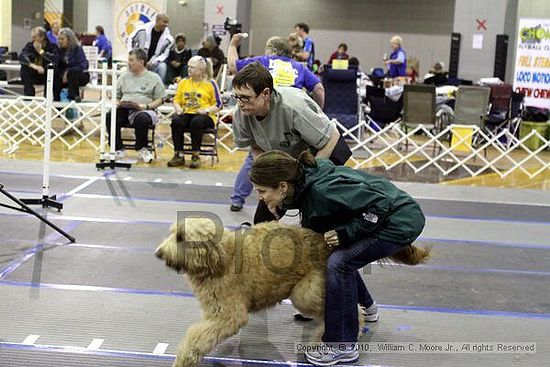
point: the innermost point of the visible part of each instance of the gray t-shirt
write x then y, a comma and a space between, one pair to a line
140, 89
294, 123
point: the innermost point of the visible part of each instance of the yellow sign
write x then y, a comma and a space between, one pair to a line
284, 75
462, 138
340, 64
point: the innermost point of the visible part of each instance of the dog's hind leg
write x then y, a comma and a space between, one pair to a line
308, 297
201, 338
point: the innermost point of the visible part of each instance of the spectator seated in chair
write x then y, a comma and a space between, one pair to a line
34, 59
340, 54
176, 63
437, 75
139, 93
74, 63
211, 50
196, 102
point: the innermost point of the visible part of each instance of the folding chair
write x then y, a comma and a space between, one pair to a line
342, 100
499, 99
381, 109
419, 109
516, 112
209, 149
471, 107
129, 139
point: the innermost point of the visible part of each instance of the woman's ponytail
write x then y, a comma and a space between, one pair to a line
307, 159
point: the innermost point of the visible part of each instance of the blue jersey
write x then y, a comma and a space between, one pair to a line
396, 70
285, 71
103, 44
51, 37
309, 46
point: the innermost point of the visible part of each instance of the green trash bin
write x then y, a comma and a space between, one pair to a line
533, 143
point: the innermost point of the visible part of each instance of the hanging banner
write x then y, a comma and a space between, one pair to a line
532, 72
129, 14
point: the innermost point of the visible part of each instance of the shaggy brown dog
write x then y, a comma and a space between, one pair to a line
235, 273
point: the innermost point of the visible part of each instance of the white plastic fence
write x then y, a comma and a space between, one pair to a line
482, 151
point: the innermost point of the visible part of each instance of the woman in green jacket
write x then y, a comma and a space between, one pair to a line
364, 218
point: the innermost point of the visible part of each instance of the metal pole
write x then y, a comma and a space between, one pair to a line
48, 134
103, 112
113, 112
111, 163
47, 200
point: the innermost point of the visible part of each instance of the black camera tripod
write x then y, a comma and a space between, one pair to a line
26, 209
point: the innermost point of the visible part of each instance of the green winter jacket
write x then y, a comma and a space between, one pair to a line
356, 204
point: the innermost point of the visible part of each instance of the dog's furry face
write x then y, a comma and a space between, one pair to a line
194, 247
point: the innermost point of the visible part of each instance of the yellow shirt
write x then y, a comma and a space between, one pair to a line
193, 96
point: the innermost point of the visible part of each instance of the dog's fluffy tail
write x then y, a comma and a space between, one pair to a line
412, 255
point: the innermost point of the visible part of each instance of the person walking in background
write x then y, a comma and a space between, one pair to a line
397, 63
284, 118
286, 72
104, 47
308, 53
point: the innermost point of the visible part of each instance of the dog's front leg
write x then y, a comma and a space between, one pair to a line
201, 338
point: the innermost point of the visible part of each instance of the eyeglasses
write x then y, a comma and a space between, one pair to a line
243, 99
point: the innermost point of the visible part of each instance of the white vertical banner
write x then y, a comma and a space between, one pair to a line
215, 14
532, 71
127, 15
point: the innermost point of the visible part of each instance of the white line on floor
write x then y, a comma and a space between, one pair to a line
95, 344
31, 339
82, 186
158, 180
188, 182
127, 178
219, 184
160, 349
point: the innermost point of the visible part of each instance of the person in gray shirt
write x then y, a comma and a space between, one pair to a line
281, 118
139, 92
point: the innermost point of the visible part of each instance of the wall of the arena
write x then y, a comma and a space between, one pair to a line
100, 13
187, 19
5, 23
483, 19
365, 25
23, 19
